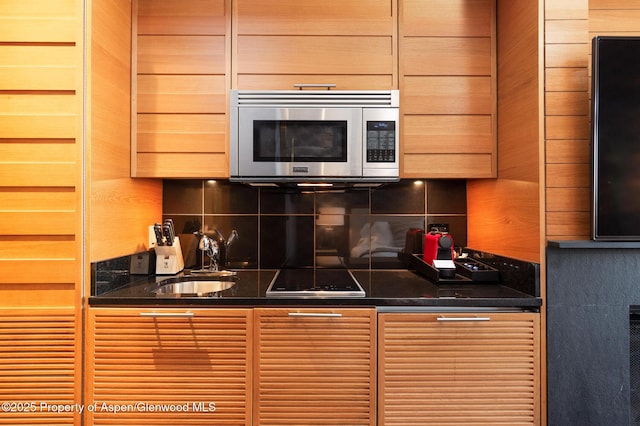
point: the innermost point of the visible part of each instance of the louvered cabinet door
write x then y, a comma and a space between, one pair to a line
314, 367
459, 369
39, 367
168, 367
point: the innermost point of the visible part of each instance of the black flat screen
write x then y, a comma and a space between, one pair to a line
615, 135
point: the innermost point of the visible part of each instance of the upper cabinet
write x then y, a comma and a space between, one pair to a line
180, 84
448, 88
439, 53
349, 43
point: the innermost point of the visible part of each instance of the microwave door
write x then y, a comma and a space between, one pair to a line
300, 142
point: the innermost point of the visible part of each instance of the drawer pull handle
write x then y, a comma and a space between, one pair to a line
451, 319
308, 85
314, 314
167, 314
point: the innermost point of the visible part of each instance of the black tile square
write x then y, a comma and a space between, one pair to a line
404, 197
243, 252
286, 241
446, 197
221, 197
285, 201
182, 197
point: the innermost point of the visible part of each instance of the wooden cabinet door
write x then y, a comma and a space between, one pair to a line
314, 367
459, 369
448, 88
180, 84
351, 44
168, 367
39, 365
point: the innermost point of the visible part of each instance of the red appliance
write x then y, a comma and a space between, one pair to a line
438, 245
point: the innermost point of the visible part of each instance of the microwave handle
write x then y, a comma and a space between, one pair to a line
308, 85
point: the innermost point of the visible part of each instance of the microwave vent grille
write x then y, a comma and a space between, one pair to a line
316, 98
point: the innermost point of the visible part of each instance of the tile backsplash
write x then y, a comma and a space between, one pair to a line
280, 226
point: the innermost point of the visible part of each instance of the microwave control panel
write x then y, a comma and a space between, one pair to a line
381, 141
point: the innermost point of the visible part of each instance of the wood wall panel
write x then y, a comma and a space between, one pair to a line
567, 120
120, 208
448, 18
512, 203
41, 154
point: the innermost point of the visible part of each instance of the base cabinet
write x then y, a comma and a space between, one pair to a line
168, 367
458, 369
39, 366
315, 367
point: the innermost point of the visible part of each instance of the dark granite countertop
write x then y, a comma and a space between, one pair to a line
399, 288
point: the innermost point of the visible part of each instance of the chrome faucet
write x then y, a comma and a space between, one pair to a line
216, 248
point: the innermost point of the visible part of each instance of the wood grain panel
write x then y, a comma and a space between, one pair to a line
314, 55
333, 17
461, 372
512, 206
572, 225
40, 8
448, 165
446, 56
566, 79
37, 150
38, 30
163, 54
567, 127
195, 17
342, 82
567, 55
37, 363
568, 151
315, 370
567, 9
447, 134
568, 199
179, 165
566, 31
38, 175
605, 20
196, 94
49, 271
37, 67
181, 133
447, 18
448, 95
568, 175
170, 360
567, 103
40, 222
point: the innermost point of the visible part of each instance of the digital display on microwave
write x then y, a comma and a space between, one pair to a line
299, 140
381, 141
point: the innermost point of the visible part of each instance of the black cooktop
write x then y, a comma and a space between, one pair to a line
314, 283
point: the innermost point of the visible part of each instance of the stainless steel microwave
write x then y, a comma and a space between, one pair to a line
314, 136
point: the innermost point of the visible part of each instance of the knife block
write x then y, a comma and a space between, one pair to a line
169, 259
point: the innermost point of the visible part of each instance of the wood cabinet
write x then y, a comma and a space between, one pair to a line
447, 88
455, 369
38, 366
348, 43
314, 367
180, 71
168, 366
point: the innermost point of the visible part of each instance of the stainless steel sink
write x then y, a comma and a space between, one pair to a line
191, 287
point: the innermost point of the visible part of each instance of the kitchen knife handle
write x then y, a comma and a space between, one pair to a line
314, 314
157, 228
453, 319
187, 314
